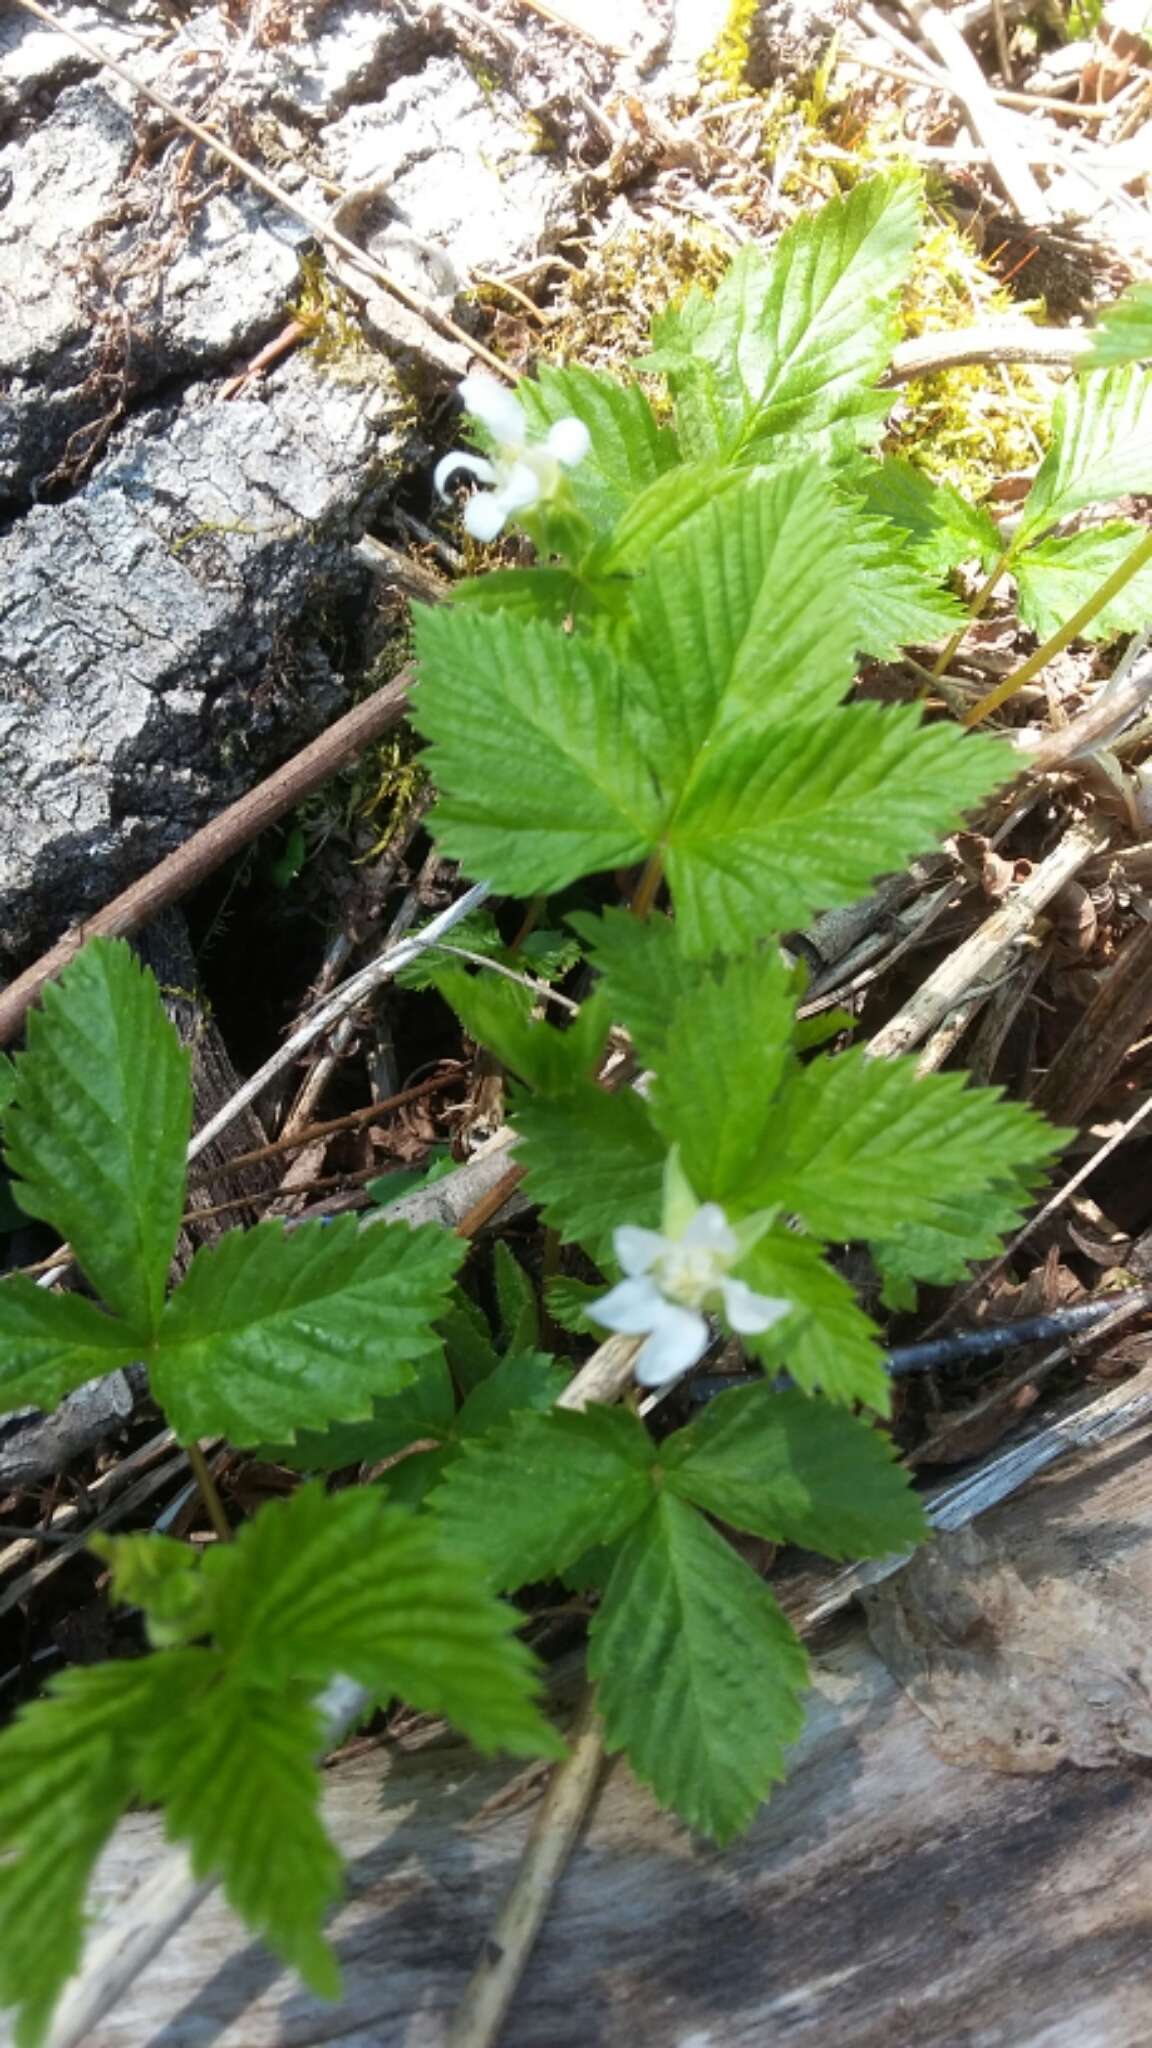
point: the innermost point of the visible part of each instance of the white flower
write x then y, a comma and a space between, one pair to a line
670, 1280
521, 472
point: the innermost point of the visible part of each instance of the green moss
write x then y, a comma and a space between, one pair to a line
726, 63
604, 312
328, 316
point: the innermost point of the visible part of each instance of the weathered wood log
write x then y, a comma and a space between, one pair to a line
885, 1896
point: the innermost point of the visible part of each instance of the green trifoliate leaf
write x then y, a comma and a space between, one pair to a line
941, 527
1101, 448
67, 1772
271, 1333
761, 844
861, 1146
343, 1583
729, 1042
628, 449
1123, 333
700, 1674
593, 1161
827, 1343
796, 1471
239, 1786
1056, 576
528, 1502
50, 1343
98, 1129
790, 344
573, 794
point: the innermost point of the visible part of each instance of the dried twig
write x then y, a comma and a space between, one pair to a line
983, 953
987, 121
1010, 341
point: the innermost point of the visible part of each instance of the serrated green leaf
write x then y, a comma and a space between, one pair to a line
7, 1082
831, 803
515, 1300
477, 933
568, 1301
861, 1147
67, 1772
497, 1013
729, 1042
894, 601
791, 344
628, 448
50, 1343
827, 1343
98, 1129
524, 1380
795, 1470
328, 1583
660, 510
1101, 448
528, 1502
540, 776
970, 1228
941, 526
700, 1674
1123, 333
472, 1354
239, 1786
270, 1333
424, 1408
1056, 576
539, 593
592, 1161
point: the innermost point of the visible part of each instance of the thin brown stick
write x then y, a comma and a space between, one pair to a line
493, 1983
205, 851
202, 1473
349, 1122
985, 118
992, 342
323, 229
1099, 1044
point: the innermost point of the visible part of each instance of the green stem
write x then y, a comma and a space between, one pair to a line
649, 885
208, 1493
978, 606
1092, 606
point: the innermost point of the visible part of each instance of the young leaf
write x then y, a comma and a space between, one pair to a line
516, 1300
497, 1014
99, 1126
239, 1785
700, 1674
729, 1042
1101, 448
862, 1146
540, 593
271, 1333
942, 528
790, 344
162, 1576
644, 973
1123, 333
893, 602
827, 1343
962, 1231
593, 1161
50, 1343
529, 1502
573, 794
468, 1342
1056, 576
759, 845
67, 1772
796, 1471
628, 450
328, 1583
523, 1380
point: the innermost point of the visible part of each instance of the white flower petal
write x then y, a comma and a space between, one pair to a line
749, 1312
457, 458
494, 406
710, 1231
519, 486
677, 1341
484, 515
638, 1249
569, 441
633, 1307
